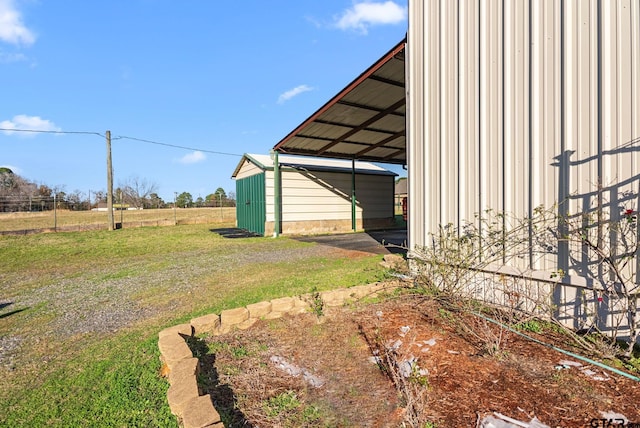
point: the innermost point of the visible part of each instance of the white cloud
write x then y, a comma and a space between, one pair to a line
194, 157
286, 96
33, 123
367, 13
12, 29
314, 21
6, 58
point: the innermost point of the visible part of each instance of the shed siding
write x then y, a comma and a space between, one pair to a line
248, 169
269, 195
313, 195
518, 104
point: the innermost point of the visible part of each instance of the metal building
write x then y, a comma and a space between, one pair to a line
301, 195
509, 106
516, 104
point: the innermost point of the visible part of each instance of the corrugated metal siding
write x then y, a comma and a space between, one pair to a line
251, 203
374, 196
248, 169
270, 195
515, 104
316, 195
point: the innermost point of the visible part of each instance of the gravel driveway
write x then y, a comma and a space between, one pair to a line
96, 302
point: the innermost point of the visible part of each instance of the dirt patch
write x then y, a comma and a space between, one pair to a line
247, 372
264, 376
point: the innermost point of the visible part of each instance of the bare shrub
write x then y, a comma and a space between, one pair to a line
492, 260
411, 382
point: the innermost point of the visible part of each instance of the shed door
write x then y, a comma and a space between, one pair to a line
251, 208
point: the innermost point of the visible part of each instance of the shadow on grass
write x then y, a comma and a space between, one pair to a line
8, 314
223, 398
234, 232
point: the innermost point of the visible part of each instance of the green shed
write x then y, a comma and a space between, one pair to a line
299, 195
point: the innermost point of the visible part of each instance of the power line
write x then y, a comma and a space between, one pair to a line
175, 146
51, 132
122, 137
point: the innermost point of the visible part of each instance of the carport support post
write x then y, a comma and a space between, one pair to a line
276, 193
353, 194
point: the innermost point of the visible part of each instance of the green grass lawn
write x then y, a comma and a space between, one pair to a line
80, 312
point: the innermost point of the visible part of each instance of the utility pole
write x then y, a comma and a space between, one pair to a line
109, 182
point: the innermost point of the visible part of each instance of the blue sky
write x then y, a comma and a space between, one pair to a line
213, 76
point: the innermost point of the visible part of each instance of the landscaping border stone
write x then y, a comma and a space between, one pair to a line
184, 397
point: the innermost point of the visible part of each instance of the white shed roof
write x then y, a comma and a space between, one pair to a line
313, 164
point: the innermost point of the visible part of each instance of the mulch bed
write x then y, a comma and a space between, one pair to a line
465, 380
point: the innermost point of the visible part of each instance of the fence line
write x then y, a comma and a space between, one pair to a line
24, 223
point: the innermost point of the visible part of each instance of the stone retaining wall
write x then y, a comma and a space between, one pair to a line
185, 400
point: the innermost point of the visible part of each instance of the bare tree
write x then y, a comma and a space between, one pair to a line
16, 192
99, 196
44, 191
74, 200
137, 191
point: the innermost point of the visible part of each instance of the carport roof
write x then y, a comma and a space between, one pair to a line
365, 121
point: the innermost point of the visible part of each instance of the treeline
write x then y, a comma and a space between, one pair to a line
19, 194
219, 198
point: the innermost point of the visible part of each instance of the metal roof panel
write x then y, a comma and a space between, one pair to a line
366, 120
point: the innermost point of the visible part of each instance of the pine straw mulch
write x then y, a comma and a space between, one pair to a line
459, 379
